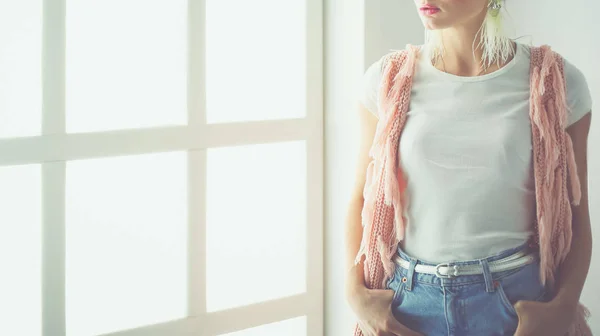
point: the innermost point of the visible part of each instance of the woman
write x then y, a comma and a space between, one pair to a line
472, 154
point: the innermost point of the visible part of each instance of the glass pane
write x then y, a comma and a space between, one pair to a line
20, 68
126, 64
255, 60
126, 221
256, 224
293, 327
20, 250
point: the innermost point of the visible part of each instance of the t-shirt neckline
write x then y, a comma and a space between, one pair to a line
429, 66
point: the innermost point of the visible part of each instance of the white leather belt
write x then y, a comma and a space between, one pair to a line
448, 270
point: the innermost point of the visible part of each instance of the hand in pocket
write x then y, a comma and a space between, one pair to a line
374, 311
543, 318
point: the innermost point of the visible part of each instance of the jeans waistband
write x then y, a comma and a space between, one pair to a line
486, 277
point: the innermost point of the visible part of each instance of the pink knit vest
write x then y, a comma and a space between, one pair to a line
555, 172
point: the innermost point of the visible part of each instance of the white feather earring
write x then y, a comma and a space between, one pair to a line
496, 46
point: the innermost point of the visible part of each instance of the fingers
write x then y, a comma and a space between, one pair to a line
366, 329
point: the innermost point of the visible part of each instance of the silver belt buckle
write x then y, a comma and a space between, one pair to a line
447, 276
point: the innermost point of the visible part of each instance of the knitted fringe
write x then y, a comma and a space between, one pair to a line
554, 153
384, 186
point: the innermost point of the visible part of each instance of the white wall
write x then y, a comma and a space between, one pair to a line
358, 33
571, 28
344, 43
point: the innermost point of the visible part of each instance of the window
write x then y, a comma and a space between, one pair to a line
161, 167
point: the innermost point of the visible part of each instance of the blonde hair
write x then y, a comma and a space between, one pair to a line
496, 45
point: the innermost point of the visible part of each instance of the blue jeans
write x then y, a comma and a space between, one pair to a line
480, 305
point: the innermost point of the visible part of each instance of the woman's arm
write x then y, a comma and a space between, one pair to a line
574, 269
373, 308
556, 316
354, 230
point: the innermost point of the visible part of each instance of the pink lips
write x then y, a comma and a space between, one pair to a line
429, 10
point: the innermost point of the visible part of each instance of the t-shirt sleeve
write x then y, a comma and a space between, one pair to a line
579, 98
371, 83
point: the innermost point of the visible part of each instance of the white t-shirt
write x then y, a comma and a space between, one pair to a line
466, 151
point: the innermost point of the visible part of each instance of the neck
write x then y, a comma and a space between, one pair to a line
462, 54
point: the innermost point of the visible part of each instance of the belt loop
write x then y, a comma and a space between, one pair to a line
410, 273
487, 276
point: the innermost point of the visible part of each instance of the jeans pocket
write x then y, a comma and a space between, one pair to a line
396, 283
398, 294
389, 282
523, 285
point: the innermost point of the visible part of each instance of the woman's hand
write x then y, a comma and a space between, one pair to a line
373, 307
543, 318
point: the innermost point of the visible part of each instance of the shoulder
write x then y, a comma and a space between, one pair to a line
399, 59
578, 96
370, 85
545, 58
573, 75
375, 69
386, 66
391, 58
374, 74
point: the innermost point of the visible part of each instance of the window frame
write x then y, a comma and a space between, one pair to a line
54, 147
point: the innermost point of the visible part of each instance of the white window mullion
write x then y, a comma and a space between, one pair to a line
196, 233
314, 272
53, 249
241, 318
53, 67
185, 327
53, 173
314, 104
196, 162
77, 146
196, 62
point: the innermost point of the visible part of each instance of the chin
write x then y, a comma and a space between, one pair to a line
433, 24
